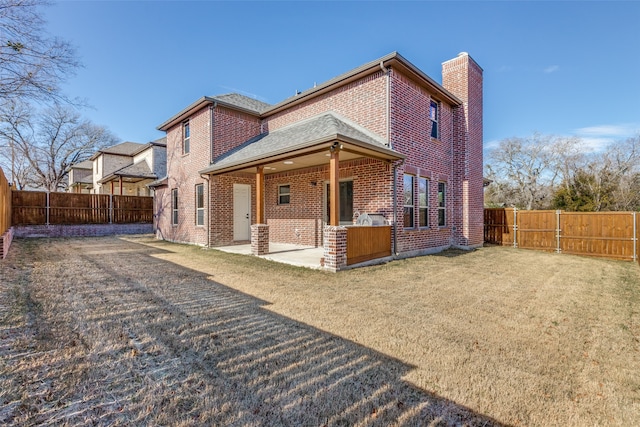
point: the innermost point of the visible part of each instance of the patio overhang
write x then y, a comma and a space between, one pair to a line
311, 154
126, 178
305, 144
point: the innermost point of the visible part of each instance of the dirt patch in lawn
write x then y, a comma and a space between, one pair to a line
140, 332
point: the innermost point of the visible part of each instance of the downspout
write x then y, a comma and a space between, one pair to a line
206, 177
395, 206
211, 108
208, 221
387, 73
395, 210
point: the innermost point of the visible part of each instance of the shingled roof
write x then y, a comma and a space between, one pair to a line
140, 170
242, 101
324, 128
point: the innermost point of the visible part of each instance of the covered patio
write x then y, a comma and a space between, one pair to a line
130, 180
319, 144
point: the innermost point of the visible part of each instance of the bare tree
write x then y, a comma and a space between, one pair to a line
51, 141
524, 171
32, 63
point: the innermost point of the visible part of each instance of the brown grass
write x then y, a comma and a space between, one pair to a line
140, 332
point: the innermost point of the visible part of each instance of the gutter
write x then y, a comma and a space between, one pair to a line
208, 221
211, 108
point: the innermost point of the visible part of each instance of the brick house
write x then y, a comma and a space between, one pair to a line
383, 146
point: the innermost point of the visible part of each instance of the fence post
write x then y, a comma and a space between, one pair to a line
111, 208
48, 207
558, 231
635, 237
515, 227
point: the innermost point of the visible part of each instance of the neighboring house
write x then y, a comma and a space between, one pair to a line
128, 167
383, 139
81, 177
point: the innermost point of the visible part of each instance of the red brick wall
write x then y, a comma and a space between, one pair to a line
182, 173
363, 101
301, 221
221, 205
463, 77
5, 242
232, 128
426, 157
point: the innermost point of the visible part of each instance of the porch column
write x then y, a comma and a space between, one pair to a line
112, 187
260, 195
335, 248
334, 187
259, 239
121, 186
260, 230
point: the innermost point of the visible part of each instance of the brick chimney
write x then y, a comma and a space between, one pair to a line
462, 76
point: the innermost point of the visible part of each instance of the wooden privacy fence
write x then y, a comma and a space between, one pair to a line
603, 234
5, 204
367, 243
41, 208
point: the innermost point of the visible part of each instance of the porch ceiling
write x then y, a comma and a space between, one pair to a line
304, 144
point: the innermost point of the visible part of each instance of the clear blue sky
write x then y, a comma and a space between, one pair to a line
563, 68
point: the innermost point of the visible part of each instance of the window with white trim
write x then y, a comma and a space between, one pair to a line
423, 202
199, 204
174, 206
442, 204
408, 201
186, 137
284, 194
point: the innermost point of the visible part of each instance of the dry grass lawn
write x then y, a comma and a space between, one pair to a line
107, 331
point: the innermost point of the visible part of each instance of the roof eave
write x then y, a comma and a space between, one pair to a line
205, 100
392, 59
198, 105
431, 83
301, 149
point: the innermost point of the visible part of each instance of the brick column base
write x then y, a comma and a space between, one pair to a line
335, 248
259, 239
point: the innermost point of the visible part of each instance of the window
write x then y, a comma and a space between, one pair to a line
345, 216
408, 201
423, 202
284, 194
200, 204
186, 136
434, 116
442, 208
174, 206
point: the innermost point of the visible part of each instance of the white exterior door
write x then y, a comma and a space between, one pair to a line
241, 212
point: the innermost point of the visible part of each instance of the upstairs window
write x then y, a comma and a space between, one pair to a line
186, 136
200, 204
284, 194
442, 204
174, 206
423, 202
434, 115
408, 201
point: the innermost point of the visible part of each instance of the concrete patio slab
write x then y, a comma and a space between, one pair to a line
303, 256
